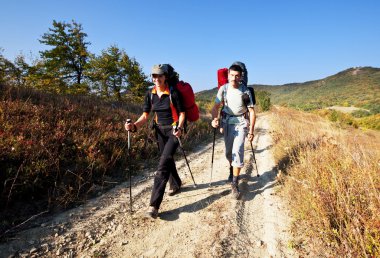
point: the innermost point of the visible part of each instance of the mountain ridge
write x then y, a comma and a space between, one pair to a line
355, 86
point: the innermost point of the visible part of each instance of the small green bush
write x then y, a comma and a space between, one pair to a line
263, 98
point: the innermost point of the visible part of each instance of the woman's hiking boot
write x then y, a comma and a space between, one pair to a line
174, 191
152, 212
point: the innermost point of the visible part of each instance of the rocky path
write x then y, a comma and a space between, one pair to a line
202, 221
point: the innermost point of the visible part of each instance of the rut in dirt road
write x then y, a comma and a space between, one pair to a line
205, 221
261, 225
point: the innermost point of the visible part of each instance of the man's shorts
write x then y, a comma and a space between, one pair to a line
234, 136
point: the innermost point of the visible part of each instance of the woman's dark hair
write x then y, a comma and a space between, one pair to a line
172, 77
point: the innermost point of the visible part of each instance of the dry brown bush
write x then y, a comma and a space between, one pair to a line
56, 151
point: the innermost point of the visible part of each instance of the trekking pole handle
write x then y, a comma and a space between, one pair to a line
177, 128
129, 121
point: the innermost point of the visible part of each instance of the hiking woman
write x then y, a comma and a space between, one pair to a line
168, 124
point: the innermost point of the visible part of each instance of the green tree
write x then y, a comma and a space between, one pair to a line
6, 69
113, 74
137, 81
263, 98
14, 73
21, 70
68, 57
38, 78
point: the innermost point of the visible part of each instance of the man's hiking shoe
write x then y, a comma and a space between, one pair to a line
235, 191
229, 180
152, 213
174, 191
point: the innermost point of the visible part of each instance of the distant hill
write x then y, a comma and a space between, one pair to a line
359, 87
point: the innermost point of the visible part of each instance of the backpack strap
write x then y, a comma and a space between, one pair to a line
244, 90
155, 125
225, 94
151, 107
171, 88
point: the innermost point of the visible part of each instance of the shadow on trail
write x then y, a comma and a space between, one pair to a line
200, 204
251, 185
261, 150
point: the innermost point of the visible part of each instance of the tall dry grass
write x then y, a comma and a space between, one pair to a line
57, 151
333, 184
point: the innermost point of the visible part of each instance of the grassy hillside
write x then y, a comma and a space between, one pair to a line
332, 183
56, 151
359, 87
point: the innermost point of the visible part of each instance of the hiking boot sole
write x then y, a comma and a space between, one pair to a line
151, 214
174, 192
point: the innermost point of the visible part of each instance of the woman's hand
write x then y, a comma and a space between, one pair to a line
177, 132
129, 126
215, 123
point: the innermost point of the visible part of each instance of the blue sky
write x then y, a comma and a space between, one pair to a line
280, 41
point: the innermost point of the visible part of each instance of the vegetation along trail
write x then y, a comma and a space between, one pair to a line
202, 221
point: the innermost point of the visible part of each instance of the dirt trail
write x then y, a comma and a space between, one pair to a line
199, 222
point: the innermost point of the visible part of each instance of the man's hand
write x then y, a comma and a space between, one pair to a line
215, 123
250, 137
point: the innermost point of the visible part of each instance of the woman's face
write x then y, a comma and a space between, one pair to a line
158, 79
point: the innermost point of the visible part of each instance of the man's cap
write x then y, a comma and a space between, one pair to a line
159, 69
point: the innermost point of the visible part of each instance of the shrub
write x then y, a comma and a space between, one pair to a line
360, 113
263, 98
55, 150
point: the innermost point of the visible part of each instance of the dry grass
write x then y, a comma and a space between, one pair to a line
333, 184
57, 151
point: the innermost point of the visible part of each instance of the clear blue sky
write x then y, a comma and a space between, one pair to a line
281, 41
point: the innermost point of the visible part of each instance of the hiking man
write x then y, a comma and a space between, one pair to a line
237, 101
168, 124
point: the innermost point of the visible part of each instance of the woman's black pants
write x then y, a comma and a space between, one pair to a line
166, 170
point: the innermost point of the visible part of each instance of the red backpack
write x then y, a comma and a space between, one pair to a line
187, 94
222, 76
188, 99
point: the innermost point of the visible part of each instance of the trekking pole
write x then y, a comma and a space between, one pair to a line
212, 157
183, 151
130, 176
254, 159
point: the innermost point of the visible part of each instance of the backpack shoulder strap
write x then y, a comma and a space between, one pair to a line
225, 86
170, 94
244, 88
